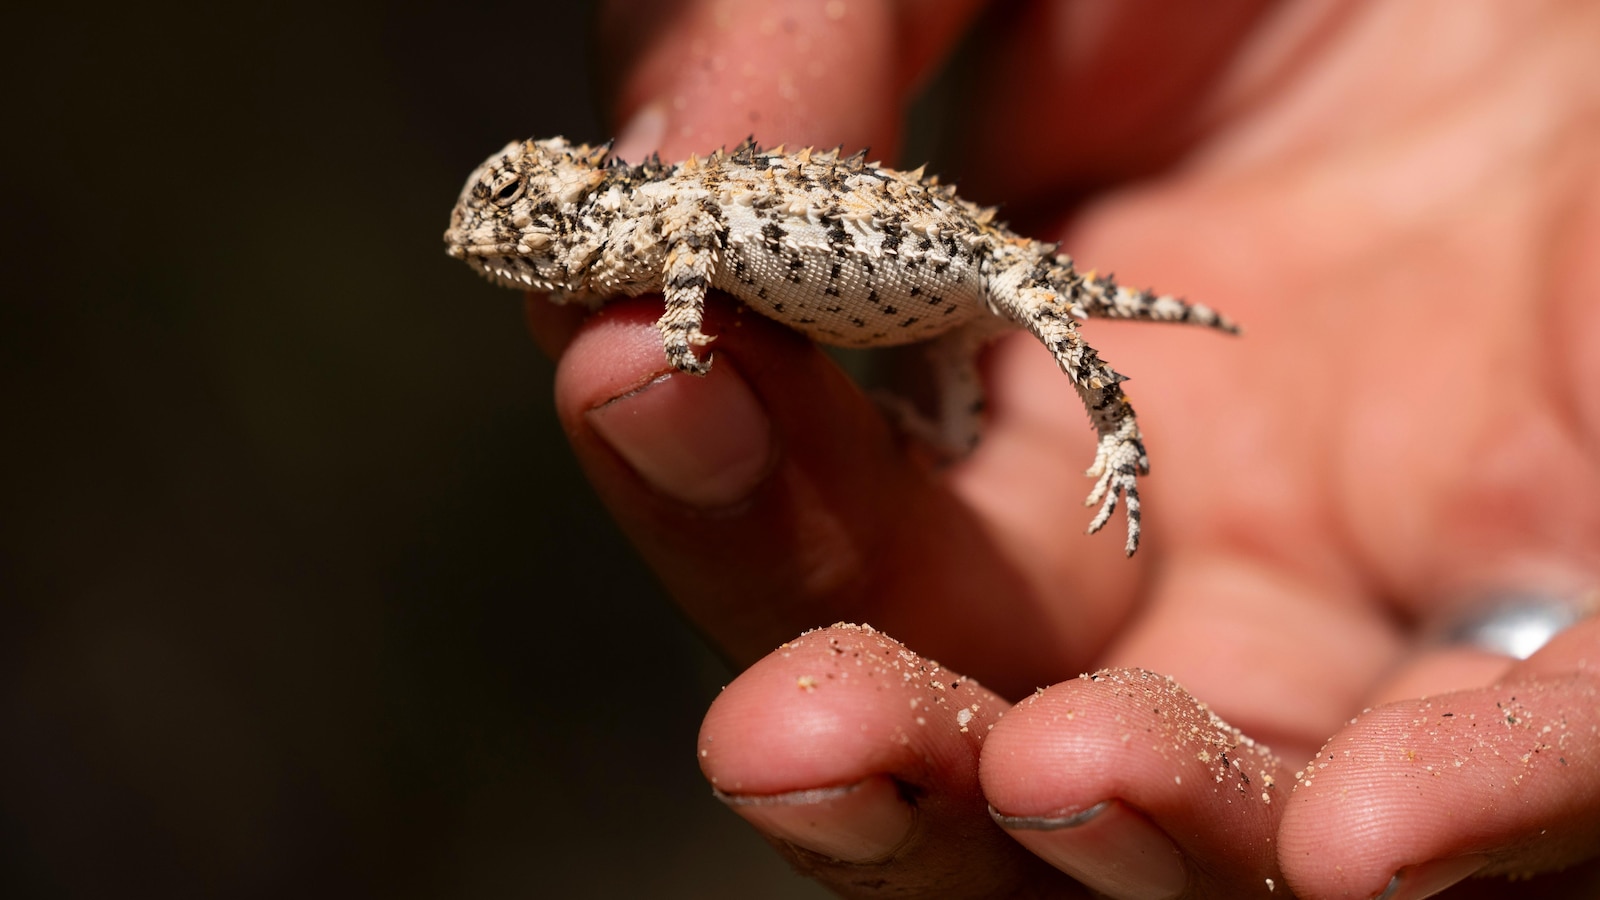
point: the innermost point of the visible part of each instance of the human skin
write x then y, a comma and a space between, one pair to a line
1401, 204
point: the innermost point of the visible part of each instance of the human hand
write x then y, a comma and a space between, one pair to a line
1396, 204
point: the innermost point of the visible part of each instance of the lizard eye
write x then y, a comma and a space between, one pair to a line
508, 191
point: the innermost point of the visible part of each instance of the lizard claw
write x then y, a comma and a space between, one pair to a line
685, 361
679, 346
1118, 463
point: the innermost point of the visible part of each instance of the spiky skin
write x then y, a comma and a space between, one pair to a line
848, 252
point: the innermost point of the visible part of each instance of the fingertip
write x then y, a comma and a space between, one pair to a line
1073, 745
1503, 772
1119, 776
705, 443
1109, 847
708, 74
861, 823
642, 133
840, 704
857, 758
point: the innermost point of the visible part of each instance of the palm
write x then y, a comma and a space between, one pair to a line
1410, 418
1387, 433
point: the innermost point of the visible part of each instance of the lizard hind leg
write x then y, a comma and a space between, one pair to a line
953, 357
953, 429
1120, 457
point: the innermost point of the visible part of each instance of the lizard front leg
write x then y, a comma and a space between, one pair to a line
1028, 300
687, 274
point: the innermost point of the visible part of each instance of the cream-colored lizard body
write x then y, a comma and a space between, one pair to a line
846, 251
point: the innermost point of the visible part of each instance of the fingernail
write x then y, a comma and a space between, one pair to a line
705, 441
865, 822
642, 134
1429, 878
1109, 847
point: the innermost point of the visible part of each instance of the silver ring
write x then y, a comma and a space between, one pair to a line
1513, 623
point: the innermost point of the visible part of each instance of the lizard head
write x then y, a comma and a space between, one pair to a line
518, 221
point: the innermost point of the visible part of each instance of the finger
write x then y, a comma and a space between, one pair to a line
1124, 780
553, 326
770, 497
858, 760
1135, 83
1499, 780
690, 76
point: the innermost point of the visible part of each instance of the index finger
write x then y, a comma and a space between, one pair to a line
690, 76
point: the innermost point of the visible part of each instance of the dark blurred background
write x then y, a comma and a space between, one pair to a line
303, 594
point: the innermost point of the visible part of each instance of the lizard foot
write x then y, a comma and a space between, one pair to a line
1118, 463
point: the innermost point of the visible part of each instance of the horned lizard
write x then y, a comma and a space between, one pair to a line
847, 251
